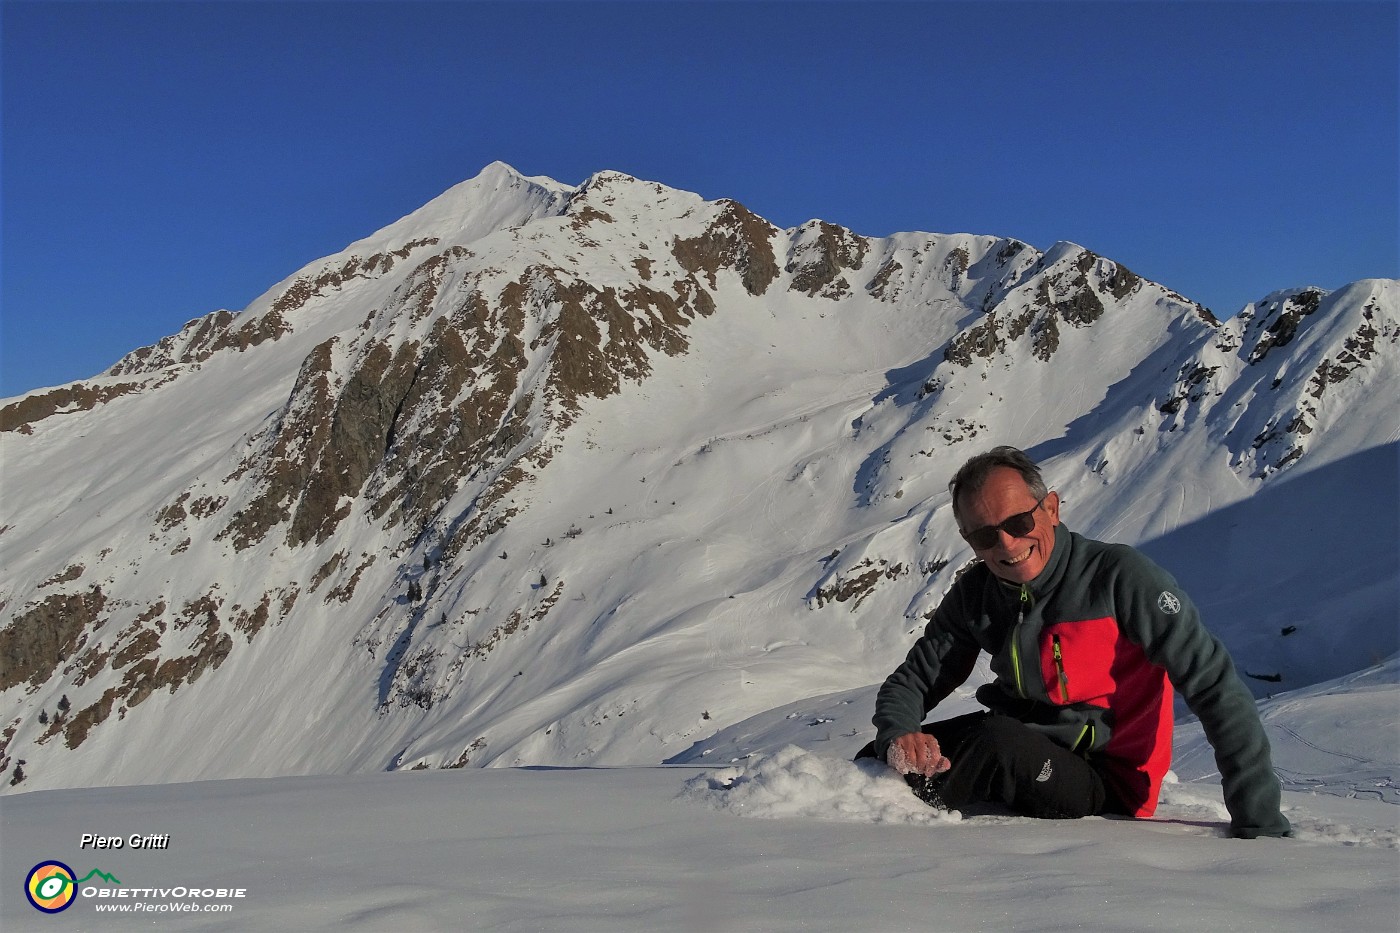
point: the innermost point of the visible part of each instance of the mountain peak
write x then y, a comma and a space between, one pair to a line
503, 171
496, 198
616, 192
608, 176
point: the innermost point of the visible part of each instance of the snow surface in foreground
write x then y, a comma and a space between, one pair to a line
840, 847
598, 849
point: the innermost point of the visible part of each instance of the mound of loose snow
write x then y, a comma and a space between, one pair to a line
797, 783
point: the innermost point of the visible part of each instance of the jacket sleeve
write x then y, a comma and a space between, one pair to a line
940, 661
1164, 621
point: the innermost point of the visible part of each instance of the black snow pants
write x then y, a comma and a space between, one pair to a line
998, 759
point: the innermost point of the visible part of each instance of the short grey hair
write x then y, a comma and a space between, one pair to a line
973, 474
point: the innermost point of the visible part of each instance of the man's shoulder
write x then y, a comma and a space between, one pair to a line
1128, 577
1108, 557
969, 588
971, 578
1092, 548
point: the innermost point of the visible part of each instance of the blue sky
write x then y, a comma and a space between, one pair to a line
165, 160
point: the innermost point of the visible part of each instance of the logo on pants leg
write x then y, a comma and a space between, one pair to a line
1045, 771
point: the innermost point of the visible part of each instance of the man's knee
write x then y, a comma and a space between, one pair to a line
1003, 739
1004, 728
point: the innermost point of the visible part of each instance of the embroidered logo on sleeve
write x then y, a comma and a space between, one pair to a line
1168, 603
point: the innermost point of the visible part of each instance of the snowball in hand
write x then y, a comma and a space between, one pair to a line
899, 759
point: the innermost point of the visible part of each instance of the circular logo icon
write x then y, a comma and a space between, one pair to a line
50, 887
1168, 603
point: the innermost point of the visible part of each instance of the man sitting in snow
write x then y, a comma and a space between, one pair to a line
1086, 640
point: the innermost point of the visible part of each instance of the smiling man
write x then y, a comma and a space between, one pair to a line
1086, 640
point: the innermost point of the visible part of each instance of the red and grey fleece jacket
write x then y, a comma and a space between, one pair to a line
1088, 653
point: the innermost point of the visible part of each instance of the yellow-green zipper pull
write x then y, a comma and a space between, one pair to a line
1060, 669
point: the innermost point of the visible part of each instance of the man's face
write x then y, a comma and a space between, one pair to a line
1015, 559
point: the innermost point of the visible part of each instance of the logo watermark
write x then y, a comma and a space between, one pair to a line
51, 887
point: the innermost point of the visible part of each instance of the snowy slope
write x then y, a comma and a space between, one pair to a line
607, 850
544, 475
793, 838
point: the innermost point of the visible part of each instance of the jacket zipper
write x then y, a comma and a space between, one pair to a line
1060, 669
1016, 640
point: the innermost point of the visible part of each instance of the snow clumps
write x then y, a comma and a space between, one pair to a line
793, 783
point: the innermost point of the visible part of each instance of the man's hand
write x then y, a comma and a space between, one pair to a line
917, 753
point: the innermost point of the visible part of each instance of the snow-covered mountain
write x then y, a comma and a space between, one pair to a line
543, 474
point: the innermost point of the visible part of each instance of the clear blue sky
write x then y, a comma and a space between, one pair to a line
164, 160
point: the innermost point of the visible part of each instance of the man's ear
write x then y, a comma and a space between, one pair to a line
1052, 508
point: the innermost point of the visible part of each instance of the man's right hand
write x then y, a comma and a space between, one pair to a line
917, 753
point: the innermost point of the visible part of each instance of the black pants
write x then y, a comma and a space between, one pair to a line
998, 759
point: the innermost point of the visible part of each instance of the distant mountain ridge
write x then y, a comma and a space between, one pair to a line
552, 475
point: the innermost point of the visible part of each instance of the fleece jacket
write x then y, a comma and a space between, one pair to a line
1088, 653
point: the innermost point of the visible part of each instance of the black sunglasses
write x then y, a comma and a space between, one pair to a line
1018, 526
